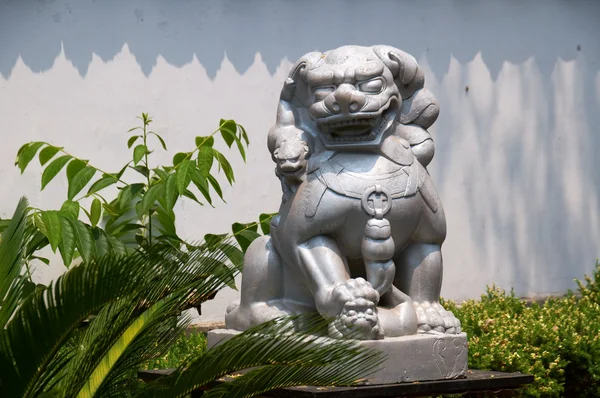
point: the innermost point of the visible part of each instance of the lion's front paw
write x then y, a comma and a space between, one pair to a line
433, 317
358, 317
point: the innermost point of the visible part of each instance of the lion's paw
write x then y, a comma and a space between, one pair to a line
433, 317
358, 317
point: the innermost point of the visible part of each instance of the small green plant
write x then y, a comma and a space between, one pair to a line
557, 342
186, 347
142, 213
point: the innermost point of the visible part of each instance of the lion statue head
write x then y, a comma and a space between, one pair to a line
349, 97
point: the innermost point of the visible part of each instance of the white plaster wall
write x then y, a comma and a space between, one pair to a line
516, 153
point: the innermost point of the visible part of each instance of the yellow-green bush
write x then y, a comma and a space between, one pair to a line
185, 347
557, 342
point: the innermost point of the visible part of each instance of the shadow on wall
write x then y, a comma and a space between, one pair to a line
542, 155
502, 31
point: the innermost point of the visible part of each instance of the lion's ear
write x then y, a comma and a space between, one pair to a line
306, 150
404, 67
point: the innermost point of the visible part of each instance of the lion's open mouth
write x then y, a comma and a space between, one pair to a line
350, 130
360, 129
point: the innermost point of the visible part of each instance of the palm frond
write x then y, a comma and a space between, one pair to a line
11, 284
104, 367
305, 357
11, 262
271, 377
46, 318
102, 332
196, 274
122, 334
154, 341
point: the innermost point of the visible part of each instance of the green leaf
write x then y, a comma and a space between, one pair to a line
129, 192
70, 209
42, 259
163, 175
189, 194
226, 166
184, 174
83, 240
102, 244
241, 149
134, 128
235, 255
143, 170
178, 158
137, 188
138, 153
68, 242
166, 219
102, 183
205, 160
48, 153
212, 241
123, 199
216, 186
244, 134
171, 191
244, 234
74, 167
95, 212
79, 181
265, 222
53, 168
228, 129
150, 198
54, 232
205, 141
132, 140
120, 173
20, 151
28, 288
202, 184
110, 210
126, 227
117, 246
27, 153
4, 224
37, 242
245, 238
40, 224
162, 142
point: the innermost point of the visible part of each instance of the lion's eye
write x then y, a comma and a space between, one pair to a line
373, 86
321, 93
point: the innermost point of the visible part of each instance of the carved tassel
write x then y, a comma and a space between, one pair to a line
378, 248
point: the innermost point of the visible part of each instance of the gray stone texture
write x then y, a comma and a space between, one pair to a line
425, 356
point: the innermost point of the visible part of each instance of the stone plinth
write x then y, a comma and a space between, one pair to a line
426, 356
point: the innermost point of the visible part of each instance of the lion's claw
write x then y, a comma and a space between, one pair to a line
358, 317
433, 317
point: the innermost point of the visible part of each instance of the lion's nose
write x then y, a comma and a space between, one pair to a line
345, 99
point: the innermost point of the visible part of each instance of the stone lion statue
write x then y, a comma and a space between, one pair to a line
359, 232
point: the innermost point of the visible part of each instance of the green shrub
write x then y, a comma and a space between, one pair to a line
186, 347
140, 211
557, 342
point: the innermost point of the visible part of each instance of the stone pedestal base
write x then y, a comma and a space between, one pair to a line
429, 356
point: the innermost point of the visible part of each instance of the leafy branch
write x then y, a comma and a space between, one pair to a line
142, 211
